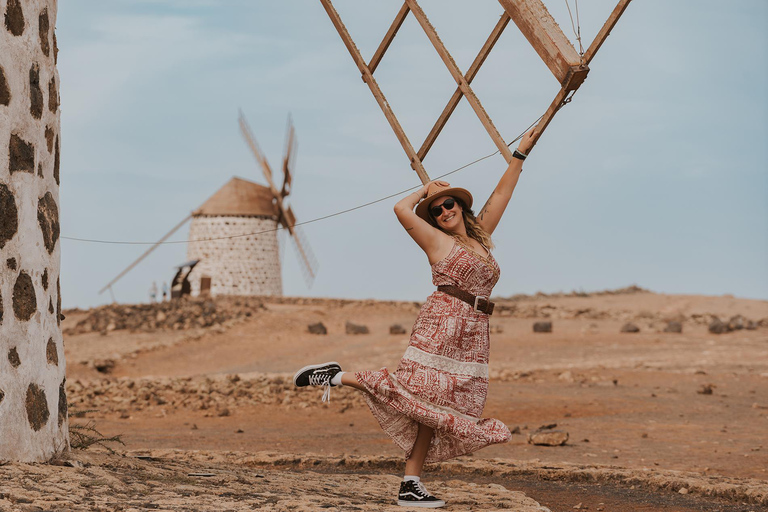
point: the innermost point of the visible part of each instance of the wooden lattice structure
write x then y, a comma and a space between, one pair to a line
537, 25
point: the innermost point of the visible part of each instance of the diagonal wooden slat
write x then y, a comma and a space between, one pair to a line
457, 95
606, 30
388, 37
474, 102
376, 90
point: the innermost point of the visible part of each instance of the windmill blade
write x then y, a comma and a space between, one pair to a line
146, 253
306, 256
287, 219
289, 160
256, 150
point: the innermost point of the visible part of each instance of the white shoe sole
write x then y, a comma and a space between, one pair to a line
421, 504
312, 367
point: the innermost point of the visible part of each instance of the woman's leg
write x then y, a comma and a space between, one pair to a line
349, 379
415, 462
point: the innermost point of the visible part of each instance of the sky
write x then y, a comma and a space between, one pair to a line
656, 174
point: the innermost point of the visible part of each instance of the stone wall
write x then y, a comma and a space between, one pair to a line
245, 265
33, 404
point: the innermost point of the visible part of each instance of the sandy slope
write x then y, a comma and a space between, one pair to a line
630, 402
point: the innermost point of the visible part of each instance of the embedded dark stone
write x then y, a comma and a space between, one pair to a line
40, 170
14, 18
35, 94
53, 96
51, 353
44, 26
55, 49
674, 326
396, 329
1, 309
45, 279
317, 328
13, 357
351, 328
59, 316
62, 401
5, 92
542, 327
629, 327
2, 395
37, 407
9, 215
21, 155
48, 218
49, 138
717, 326
24, 300
50, 306
56, 162
11, 262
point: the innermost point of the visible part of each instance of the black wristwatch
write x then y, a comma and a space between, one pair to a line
519, 155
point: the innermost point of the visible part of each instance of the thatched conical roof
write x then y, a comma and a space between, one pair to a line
239, 197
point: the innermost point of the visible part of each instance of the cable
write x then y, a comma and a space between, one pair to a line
114, 242
576, 28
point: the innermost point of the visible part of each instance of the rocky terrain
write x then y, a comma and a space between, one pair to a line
624, 400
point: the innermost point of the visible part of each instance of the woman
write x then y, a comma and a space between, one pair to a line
431, 406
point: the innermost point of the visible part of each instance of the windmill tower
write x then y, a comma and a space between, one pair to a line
233, 237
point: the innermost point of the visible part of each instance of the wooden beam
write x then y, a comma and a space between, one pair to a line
544, 34
457, 95
606, 30
556, 104
390, 35
460, 80
146, 253
380, 99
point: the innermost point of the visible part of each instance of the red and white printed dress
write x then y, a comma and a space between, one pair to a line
442, 379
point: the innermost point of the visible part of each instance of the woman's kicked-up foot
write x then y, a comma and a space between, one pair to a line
317, 375
414, 494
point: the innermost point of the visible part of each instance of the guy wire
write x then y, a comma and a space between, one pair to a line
315, 219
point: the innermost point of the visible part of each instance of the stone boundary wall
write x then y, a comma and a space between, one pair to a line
247, 265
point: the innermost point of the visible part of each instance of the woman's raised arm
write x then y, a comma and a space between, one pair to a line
431, 240
494, 208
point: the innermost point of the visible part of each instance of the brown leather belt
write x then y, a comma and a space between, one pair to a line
479, 303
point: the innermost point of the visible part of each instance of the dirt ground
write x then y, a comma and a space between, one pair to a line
656, 420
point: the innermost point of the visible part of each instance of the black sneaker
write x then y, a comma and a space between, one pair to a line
414, 494
317, 375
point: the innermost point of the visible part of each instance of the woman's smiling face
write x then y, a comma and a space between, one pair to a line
449, 219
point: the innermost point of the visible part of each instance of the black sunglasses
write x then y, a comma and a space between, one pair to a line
448, 204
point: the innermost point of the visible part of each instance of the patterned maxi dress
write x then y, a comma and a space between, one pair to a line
442, 379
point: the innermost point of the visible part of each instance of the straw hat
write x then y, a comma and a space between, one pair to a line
437, 190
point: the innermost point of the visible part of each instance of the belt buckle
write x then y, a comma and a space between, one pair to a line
477, 299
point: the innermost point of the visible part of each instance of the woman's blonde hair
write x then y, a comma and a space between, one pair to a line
474, 230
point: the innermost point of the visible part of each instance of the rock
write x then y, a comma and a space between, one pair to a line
566, 376
104, 365
705, 389
397, 329
674, 327
629, 327
317, 328
351, 328
683, 490
751, 325
716, 326
542, 327
548, 438
161, 317
736, 323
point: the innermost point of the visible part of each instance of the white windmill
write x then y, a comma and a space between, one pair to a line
233, 237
